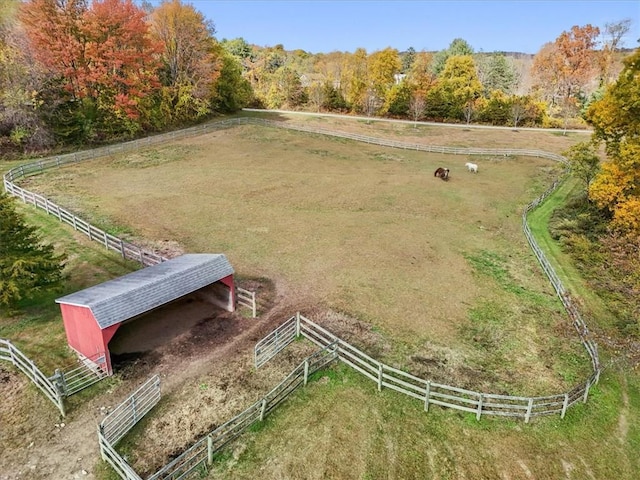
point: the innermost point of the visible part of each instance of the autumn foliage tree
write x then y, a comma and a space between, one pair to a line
616, 122
99, 53
190, 62
564, 67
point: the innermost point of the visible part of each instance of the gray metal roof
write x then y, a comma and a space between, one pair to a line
138, 292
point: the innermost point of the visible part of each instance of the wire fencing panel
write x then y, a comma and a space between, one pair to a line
118, 423
270, 345
87, 372
11, 353
122, 419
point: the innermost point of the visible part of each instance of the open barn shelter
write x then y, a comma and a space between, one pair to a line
93, 316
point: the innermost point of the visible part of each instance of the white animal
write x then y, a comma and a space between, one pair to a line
472, 167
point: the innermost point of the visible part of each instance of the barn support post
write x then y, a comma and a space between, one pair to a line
426, 396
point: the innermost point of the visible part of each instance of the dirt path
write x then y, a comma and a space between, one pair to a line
37, 444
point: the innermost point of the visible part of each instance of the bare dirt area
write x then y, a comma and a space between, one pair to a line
37, 444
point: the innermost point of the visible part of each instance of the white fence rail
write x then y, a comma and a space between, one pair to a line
247, 299
432, 393
11, 353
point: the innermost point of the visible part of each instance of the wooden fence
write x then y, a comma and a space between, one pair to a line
11, 353
428, 392
247, 299
201, 454
121, 420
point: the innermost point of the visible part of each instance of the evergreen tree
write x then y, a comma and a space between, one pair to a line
458, 46
26, 265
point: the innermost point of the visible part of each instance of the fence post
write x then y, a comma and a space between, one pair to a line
122, 249
586, 391
100, 442
59, 381
253, 304
60, 398
479, 412
426, 396
263, 408
209, 450
565, 405
529, 410
380, 377
306, 371
297, 324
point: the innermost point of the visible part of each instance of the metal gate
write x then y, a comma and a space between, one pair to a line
270, 345
78, 377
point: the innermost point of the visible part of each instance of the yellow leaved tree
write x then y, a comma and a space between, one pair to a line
616, 122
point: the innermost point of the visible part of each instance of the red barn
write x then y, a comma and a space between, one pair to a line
92, 316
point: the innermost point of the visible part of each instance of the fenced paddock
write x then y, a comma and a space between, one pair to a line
201, 454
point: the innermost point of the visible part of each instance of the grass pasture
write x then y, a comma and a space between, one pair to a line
440, 267
439, 271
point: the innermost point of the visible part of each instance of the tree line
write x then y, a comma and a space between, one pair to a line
82, 72
79, 72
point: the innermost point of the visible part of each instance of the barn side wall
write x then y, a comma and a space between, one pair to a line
84, 334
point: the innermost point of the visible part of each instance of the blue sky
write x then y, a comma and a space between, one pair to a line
322, 26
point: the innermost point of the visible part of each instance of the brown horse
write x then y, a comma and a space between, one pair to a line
443, 173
